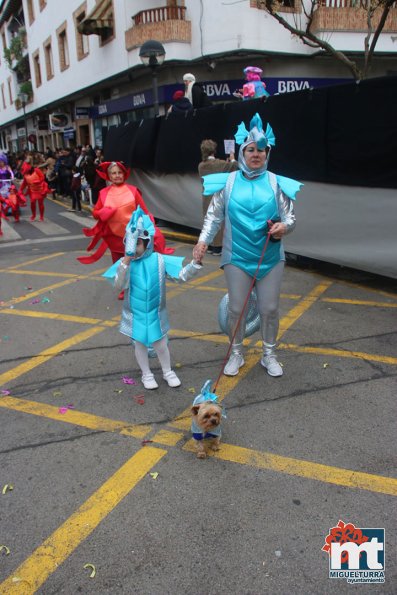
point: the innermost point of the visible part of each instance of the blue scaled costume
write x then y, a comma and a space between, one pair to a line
246, 201
144, 316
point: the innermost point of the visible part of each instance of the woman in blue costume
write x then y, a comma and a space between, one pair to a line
252, 202
142, 274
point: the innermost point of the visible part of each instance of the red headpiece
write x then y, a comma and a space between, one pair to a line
26, 168
102, 169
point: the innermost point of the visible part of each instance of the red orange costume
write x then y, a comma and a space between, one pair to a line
37, 188
113, 210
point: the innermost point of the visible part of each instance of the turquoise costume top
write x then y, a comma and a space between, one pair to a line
144, 315
245, 205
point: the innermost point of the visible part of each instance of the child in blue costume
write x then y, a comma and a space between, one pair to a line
252, 203
142, 274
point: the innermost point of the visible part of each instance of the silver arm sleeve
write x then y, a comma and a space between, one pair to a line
286, 210
189, 271
122, 277
214, 218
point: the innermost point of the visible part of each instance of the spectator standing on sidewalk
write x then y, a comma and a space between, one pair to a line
212, 165
76, 189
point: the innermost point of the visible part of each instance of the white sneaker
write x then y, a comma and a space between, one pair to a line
172, 379
272, 366
234, 364
149, 381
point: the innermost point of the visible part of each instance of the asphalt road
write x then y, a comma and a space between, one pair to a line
103, 477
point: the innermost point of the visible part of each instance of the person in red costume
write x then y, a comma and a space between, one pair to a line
113, 210
37, 188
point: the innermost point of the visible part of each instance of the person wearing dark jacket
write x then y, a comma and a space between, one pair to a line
180, 103
194, 92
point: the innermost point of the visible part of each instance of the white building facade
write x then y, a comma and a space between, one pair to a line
73, 68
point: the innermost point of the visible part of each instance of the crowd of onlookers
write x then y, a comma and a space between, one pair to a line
68, 171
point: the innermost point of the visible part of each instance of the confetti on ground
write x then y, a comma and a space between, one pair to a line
35, 302
178, 365
5, 392
29, 288
7, 488
325, 365
118, 390
128, 380
64, 410
93, 569
154, 475
57, 393
191, 390
6, 338
6, 549
140, 399
146, 442
45, 300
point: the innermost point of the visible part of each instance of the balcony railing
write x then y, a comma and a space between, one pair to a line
349, 15
347, 3
166, 24
156, 15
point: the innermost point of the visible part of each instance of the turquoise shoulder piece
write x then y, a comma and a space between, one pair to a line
289, 186
173, 265
214, 182
110, 274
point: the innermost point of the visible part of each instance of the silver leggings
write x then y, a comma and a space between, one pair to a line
268, 296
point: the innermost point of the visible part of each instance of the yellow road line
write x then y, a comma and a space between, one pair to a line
227, 383
360, 302
78, 418
384, 359
300, 468
49, 288
39, 273
54, 316
36, 569
49, 353
306, 302
35, 260
167, 438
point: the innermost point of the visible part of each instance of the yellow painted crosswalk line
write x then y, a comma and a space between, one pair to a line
74, 417
371, 357
300, 468
48, 354
45, 560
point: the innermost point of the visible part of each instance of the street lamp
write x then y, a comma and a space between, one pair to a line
23, 98
152, 54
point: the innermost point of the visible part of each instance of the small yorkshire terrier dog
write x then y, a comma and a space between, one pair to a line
206, 420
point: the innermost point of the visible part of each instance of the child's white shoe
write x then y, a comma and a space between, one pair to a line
172, 379
149, 381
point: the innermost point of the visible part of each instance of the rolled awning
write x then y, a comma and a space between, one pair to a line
99, 20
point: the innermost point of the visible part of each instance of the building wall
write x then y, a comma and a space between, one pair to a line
227, 35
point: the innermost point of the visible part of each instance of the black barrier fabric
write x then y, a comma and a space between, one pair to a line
346, 134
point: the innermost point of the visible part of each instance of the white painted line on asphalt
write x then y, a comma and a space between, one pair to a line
42, 241
9, 232
49, 228
80, 219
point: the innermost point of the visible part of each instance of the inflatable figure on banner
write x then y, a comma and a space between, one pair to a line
36, 187
116, 203
254, 88
142, 273
256, 207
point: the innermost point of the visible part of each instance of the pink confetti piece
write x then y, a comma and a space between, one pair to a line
35, 302
128, 380
144, 442
64, 410
5, 392
140, 399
